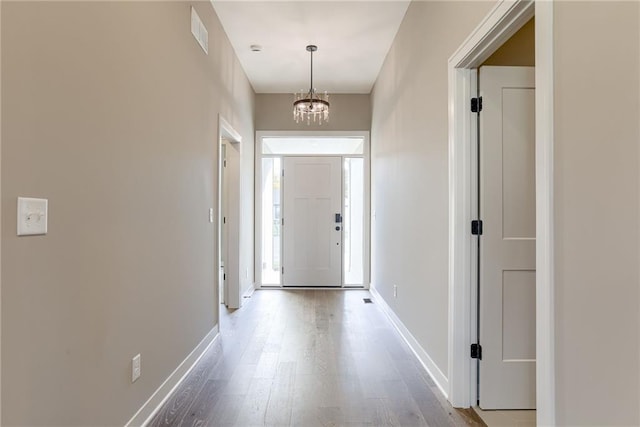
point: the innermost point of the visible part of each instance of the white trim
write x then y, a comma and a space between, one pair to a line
459, 332
545, 311
501, 22
429, 365
366, 155
292, 133
225, 130
160, 396
473, 259
0, 231
312, 288
233, 299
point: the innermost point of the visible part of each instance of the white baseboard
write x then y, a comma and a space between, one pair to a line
160, 396
432, 369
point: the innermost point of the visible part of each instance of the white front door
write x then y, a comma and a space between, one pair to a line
312, 228
507, 290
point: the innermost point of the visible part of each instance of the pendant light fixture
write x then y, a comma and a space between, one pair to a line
311, 106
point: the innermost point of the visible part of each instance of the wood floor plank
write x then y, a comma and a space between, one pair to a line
280, 404
225, 412
240, 381
384, 416
254, 408
200, 410
402, 404
176, 409
308, 358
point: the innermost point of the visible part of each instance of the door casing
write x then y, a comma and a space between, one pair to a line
227, 135
367, 196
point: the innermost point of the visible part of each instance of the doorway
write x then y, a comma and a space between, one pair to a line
228, 215
500, 24
312, 209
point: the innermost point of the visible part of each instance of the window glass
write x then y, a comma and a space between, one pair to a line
312, 145
271, 221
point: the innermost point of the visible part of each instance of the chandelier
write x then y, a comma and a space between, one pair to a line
311, 106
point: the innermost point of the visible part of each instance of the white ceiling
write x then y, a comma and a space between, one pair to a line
353, 38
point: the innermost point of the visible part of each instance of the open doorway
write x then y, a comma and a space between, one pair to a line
501, 23
503, 173
312, 209
228, 215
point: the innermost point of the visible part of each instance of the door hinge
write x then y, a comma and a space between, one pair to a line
224, 164
282, 270
282, 220
224, 277
282, 172
476, 351
476, 227
476, 104
224, 219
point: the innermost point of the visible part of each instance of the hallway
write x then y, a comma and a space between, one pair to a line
308, 358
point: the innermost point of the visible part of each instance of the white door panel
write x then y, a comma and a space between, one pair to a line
312, 246
507, 247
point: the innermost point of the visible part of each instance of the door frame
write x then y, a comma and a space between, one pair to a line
0, 236
502, 22
366, 155
226, 133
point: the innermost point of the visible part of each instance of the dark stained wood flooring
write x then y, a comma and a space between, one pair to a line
308, 358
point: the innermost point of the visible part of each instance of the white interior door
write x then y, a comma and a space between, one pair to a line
312, 236
507, 290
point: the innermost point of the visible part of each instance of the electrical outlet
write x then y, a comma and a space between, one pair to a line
395, 291
136, 369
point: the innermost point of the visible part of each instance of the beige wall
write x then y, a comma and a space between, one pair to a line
110, 111
409, 168
519, 50
0, 217
347, 112
597, 215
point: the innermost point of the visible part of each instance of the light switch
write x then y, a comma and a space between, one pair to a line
32, 216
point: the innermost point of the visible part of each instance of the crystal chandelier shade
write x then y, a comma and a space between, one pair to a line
311, 106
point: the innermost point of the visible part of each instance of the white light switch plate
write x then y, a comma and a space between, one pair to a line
32, 216
136, 368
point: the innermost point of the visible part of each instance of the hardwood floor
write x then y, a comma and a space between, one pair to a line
308, 358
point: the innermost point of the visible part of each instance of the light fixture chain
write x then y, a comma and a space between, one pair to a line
311, 88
